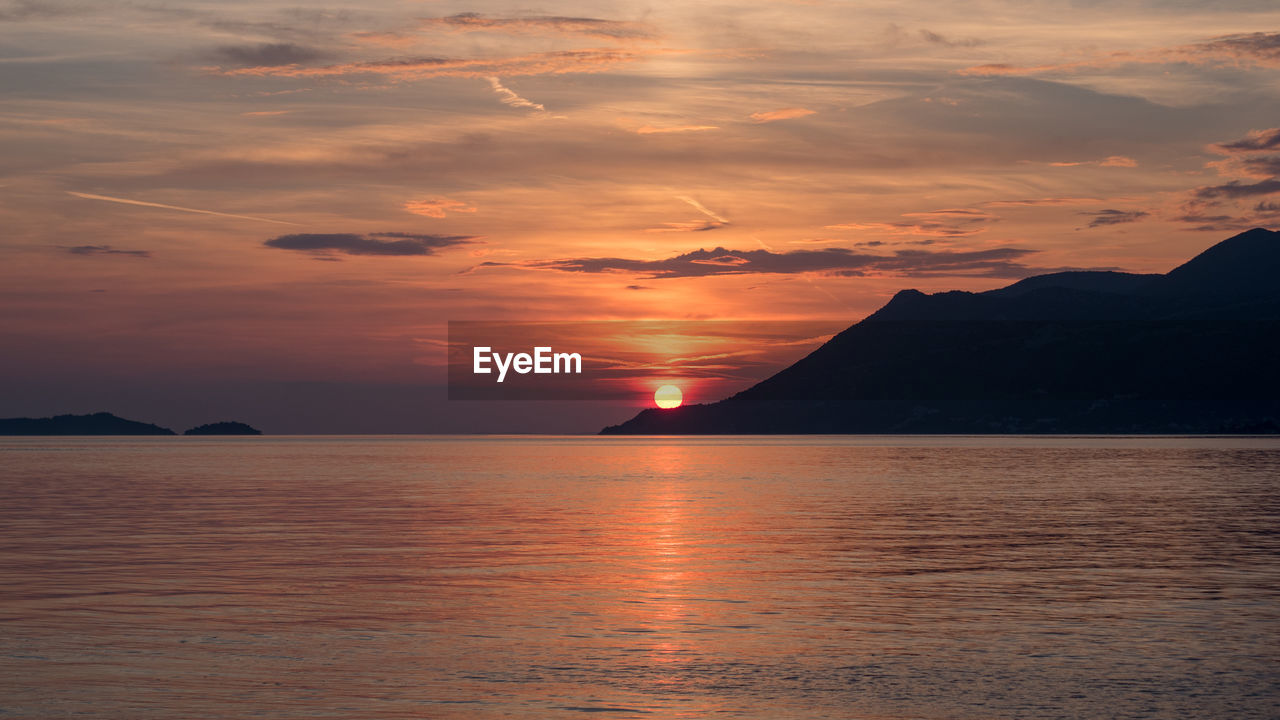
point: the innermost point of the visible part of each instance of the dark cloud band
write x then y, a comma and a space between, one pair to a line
1110, 216
105, 250
1237, 189
382, 243
995, 262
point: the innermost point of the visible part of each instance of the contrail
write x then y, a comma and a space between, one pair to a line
510, 97
175, 207
702, 209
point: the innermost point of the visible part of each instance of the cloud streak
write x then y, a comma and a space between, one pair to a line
140, 203
948, 223
1237, 189
702, 209
105, 250
1112, 161
1102, 218
383, 244
686, 227
715, 222
1038, 202
418, 68
782, 114
995, 262
940, 39
509, 96
655, 130
542, 24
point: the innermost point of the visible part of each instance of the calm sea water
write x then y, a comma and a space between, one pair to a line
414, 577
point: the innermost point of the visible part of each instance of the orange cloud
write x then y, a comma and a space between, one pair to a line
1112, 161
783, 114
437, 207
651, 130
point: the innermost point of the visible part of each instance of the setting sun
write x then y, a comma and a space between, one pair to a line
668, 396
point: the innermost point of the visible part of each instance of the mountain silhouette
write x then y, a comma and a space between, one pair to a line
101, 423
1195, 350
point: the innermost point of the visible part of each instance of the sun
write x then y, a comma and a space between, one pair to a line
668, 396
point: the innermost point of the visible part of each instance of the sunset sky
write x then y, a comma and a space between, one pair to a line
268, 211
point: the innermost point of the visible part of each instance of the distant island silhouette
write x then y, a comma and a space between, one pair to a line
223, 428
104, 423
1196, 350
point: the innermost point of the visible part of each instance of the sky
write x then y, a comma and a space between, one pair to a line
269, 211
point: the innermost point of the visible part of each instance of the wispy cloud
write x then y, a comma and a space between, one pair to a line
715, 222
1204, 222
1258, 49
1035, 202
1262, 48
379, 243
702, 209
995, 262
1112, 161
1215, 214
940, 39
437, 207
104, 250
782, 114
1102, 218
1208, 207
417, 68
541, 24
140, 203
509, 96
948, 223
702, 226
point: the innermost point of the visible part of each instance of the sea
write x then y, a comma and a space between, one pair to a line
885, 578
